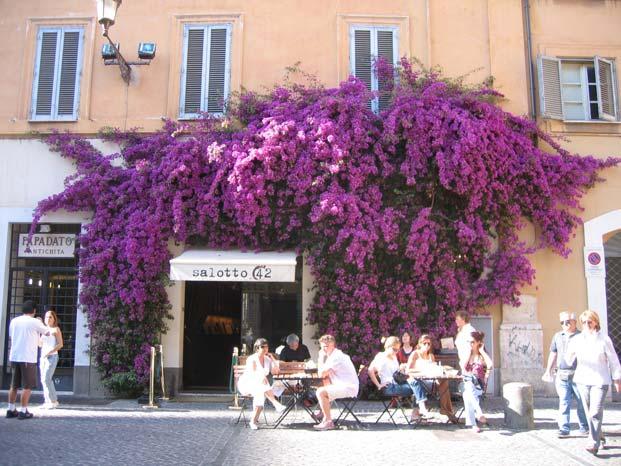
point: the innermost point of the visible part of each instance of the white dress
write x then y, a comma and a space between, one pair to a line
253, 381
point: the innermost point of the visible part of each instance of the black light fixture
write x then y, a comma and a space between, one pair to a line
106, 15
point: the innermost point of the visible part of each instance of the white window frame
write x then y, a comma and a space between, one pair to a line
205, 82
584, 87
60, 40
373, 29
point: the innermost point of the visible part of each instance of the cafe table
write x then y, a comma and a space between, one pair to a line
298, 384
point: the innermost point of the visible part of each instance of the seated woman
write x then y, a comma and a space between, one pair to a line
420, 359
253, 382
406, 347
383, 367
475, 369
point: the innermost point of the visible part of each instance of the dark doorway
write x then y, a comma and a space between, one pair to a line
212, 329
51, 282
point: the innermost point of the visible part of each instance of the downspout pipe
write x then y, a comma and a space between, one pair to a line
529, 57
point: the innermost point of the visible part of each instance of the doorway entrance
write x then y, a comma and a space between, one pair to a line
222, 315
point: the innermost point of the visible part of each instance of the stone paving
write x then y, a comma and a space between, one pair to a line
203, 433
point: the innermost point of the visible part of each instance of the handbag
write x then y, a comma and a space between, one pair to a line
399, 377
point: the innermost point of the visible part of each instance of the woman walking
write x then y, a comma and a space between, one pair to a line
598, 367
50, 344
475, 369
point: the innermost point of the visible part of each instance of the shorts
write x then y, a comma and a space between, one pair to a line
340, 391
24, 375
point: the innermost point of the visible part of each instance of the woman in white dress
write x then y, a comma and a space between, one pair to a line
253, 382
50, 344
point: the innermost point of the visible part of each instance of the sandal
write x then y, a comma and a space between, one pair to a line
483, 421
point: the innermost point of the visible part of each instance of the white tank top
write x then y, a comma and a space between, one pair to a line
49, 342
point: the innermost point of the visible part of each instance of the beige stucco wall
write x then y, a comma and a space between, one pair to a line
477, 38
582, 29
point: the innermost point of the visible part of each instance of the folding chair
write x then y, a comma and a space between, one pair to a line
391, 410
242, 401
348, 405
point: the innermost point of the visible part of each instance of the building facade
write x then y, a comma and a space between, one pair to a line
553, 61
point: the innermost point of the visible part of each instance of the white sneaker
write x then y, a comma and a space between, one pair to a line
253, 426
54, 405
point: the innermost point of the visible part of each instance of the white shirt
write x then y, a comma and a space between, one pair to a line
385, 367
48, 343
596, 357
461, 342
24, 332
344, 370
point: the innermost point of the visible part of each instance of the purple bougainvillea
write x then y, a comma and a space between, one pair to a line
404, 217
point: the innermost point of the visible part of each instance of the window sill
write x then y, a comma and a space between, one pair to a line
590, 122
51, 120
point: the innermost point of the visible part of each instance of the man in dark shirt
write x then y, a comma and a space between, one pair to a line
294, 351
565, 385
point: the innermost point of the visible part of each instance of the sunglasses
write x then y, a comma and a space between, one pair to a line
565, 322
425, 343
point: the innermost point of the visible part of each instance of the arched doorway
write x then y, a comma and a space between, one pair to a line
602, 239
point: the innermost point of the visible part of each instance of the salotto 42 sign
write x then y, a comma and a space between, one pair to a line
47, 245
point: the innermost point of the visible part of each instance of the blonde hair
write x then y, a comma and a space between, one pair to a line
327, 339
591, 315
54, 316
391, 341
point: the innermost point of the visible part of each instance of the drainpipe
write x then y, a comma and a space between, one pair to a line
529, 57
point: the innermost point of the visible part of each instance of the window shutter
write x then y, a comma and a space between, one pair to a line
192, 80
69, 74
385, 50
44, 74
362, 66
607, 99
216, 86
551, 105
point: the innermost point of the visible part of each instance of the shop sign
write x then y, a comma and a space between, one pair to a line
235, 273
594, 265
47, 245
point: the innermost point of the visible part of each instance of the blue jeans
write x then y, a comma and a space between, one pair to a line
420, 389
393, 389
567, 390
48, 366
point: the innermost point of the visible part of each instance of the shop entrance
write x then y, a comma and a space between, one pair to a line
223, 315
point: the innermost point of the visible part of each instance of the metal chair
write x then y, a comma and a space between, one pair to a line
348, 405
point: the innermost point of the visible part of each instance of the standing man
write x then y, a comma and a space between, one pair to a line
294, 351
565, 385
24, 333
463, 337
340, 375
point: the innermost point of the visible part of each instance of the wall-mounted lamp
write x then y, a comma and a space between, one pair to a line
106, 15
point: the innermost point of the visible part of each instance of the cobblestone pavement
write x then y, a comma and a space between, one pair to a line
199, 433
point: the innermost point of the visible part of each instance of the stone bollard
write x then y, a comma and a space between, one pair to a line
518, 399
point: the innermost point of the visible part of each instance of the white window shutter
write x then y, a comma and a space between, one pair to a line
607, 98
362, 66
385, 49
218, 59
550, 101
193, 72
45, 72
